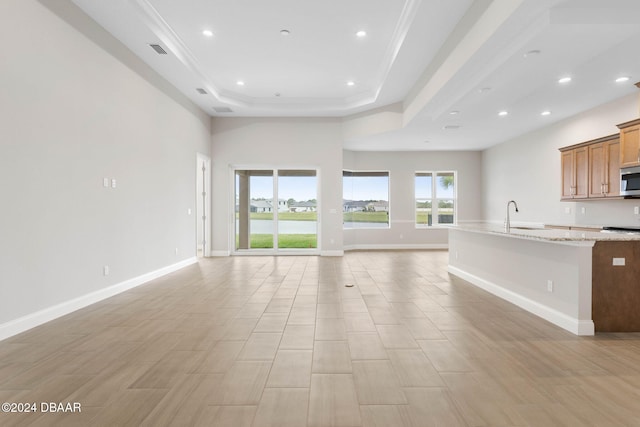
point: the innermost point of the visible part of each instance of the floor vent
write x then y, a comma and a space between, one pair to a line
222, 110
159, 50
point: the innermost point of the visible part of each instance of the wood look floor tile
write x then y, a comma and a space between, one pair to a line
302, 316
366, 345
444, 357
298, 337
170, 352
433, 407
331, 357
226, 416
131, 407
271, 322
260, 346
329, 311
387, 415
354, 305
333, 401
413, 369
291, 368
376, 383
243, 384
359, 322
330, 330
220, 358
282, 407
396, 336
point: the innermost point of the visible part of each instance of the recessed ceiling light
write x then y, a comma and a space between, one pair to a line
361, 33
564, 80
285, 32
207, 33
240, 83
351, 83
622, 79
427, 142
454, 112
503, 113
545, 113
531, 53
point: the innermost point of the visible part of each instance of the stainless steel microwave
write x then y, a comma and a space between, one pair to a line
630, 182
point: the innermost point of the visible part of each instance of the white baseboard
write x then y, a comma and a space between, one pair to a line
332, 253
24, 323
219, 253
571, 324
397, 247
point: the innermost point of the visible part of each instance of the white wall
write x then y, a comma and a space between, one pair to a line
278, 143
72, 114
402, 166
527, 169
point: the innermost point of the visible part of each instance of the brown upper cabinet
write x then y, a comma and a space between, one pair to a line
575, 178
604, 168
630, 143
591, 170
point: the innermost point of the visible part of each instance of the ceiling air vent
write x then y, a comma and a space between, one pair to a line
222, 110
159, 50
201, 91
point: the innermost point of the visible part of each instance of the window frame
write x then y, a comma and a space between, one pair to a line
435, 199
364, 173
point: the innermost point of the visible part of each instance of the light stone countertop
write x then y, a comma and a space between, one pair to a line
546, 234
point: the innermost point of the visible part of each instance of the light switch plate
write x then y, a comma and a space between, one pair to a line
618, 261
113, 183
105, 182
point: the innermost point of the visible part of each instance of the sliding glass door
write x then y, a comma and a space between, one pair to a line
276, 210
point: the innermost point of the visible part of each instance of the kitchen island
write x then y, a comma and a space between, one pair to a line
566, 277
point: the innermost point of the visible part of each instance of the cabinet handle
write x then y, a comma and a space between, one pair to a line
602, 188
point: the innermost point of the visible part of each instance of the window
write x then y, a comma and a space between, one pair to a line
435, 194
365, 199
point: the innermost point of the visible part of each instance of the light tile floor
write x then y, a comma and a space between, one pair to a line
280, 341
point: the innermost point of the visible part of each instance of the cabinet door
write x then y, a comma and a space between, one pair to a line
630, 146
612, 169
567, 174
597, 171
581, 167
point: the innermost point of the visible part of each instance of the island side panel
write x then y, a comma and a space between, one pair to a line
519, 270
616, 288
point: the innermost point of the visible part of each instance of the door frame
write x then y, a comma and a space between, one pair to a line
275, 250
203, 181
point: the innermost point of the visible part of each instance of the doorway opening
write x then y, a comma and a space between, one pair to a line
276, 211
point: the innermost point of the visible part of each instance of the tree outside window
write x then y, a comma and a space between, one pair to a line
435, 198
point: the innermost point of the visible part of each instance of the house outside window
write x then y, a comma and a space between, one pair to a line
435, 198
365, 199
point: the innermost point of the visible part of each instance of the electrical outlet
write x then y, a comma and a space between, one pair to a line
567, 210
113, 183
176, 251
583, 210
105, 270
636, 210
105, 182
550, 285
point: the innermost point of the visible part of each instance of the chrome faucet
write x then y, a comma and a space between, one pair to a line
507, 221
